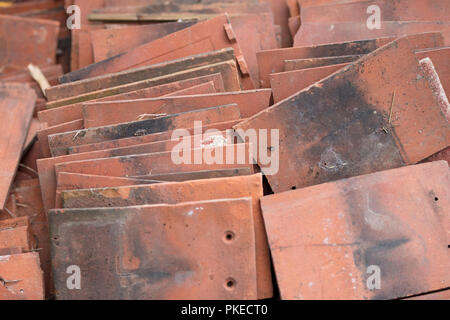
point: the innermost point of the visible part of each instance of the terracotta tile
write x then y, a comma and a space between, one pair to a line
40, 47
203, 88
441, 295
124, 261
75, 111
294, 24
399, 10
160, 136
16, 233
201, 37
320, 34
139, 74
73, 181
228, 71
272, 61
98, 132
441, 155
199, 175
440, 58
299, 64
109, 42
281, 14
172, 193
16, 110
285, 84
348, 226
47, 175
108, 113
43, 134
31, 135
180, 11
254, 32
153, 163
362, 108
435, 84
21, 277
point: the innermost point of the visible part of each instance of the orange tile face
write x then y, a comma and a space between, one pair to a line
440, 58
285, 84
367, 237
272, 61
301, 64
102, 114
186, 262
16, 110
75, 111
167, 121
209, 189
40, 47
21, 277
378, 113
160, 136
107, 43
398, 10
199, 38
16, 233
77, 88
321, 34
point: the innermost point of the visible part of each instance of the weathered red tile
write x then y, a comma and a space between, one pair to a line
349, 228
378, 113
16, 233
440, 58
124, 262
16, 110
107, 43
78, 88
168, 121
108, 113
125, 142
201, 37
40, 45
285, 84
75, 111
272, 61
172, 193
299, 64
321, 34
227, 70
21, 277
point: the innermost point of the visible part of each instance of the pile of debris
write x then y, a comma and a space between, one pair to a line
186, 150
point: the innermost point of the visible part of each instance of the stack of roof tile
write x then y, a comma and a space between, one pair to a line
362, 118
